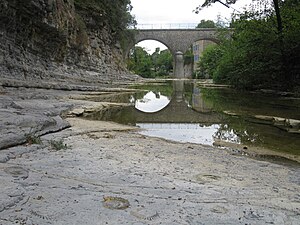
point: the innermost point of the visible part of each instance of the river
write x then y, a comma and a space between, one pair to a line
188, 111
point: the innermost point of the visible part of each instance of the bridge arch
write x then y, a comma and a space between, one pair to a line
175, 39
151, 39
178, 41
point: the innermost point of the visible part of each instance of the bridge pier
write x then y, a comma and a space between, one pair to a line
178, 90
179, 65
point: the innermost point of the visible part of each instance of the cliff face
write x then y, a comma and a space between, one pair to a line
54, 40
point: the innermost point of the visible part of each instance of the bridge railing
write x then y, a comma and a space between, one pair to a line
165, 26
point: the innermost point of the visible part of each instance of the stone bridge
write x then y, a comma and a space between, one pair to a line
178, 42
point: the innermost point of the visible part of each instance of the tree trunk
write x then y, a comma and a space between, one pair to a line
286, 78
278, 16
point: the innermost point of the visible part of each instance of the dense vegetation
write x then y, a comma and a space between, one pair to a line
113, 13
263, 51
206, 24
157, 64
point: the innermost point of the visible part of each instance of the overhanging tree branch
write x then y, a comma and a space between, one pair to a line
223, 4
209, 2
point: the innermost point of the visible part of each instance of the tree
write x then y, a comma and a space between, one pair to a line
259, 53
140, 62
114, 15
209, 2
276, 4
209, 61
155, 56
164, 63
206, 24
160, 63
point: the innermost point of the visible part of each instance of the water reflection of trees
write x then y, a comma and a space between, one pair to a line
237, 131
251, 103
251, 131
239, 128
164, 88
261, 135
226, 134
233, 128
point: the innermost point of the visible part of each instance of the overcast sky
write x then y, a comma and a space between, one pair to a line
177, 11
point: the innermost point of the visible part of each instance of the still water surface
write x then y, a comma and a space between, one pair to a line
187, 112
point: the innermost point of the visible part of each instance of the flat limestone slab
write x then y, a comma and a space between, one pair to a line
108, 175
96, 172
86, 126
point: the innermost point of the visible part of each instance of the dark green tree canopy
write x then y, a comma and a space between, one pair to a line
263, 51
159, 63
206, 24
115, 13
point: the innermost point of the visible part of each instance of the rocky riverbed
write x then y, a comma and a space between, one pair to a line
76, 171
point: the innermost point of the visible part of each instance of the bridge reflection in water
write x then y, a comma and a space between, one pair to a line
180, 109
200, 115
183, 120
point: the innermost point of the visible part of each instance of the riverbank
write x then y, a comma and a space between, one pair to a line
96, 172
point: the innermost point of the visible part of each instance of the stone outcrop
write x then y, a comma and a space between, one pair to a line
289, 125
57, 40
24, 119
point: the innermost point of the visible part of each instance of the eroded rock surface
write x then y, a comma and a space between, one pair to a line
57, 43
23, 118
107, 173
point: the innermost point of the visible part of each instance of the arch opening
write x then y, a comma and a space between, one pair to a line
152, 102
150, 58
150, 45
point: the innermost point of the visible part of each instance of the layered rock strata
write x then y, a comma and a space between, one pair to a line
44, 41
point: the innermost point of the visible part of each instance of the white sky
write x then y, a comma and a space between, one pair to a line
177, 11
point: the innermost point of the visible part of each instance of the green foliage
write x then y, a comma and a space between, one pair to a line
291, 39
206, 24
163, 63
58, 145
208, 61
115, 13
140, 62
258, 55
160, 63
188, 57
32, 139
164, 88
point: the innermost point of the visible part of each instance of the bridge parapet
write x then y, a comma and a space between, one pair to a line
165, 26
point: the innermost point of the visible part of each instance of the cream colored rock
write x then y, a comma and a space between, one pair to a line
76, 112
263, 117
293, 123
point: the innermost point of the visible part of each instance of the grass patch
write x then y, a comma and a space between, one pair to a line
58, 145
32, 139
